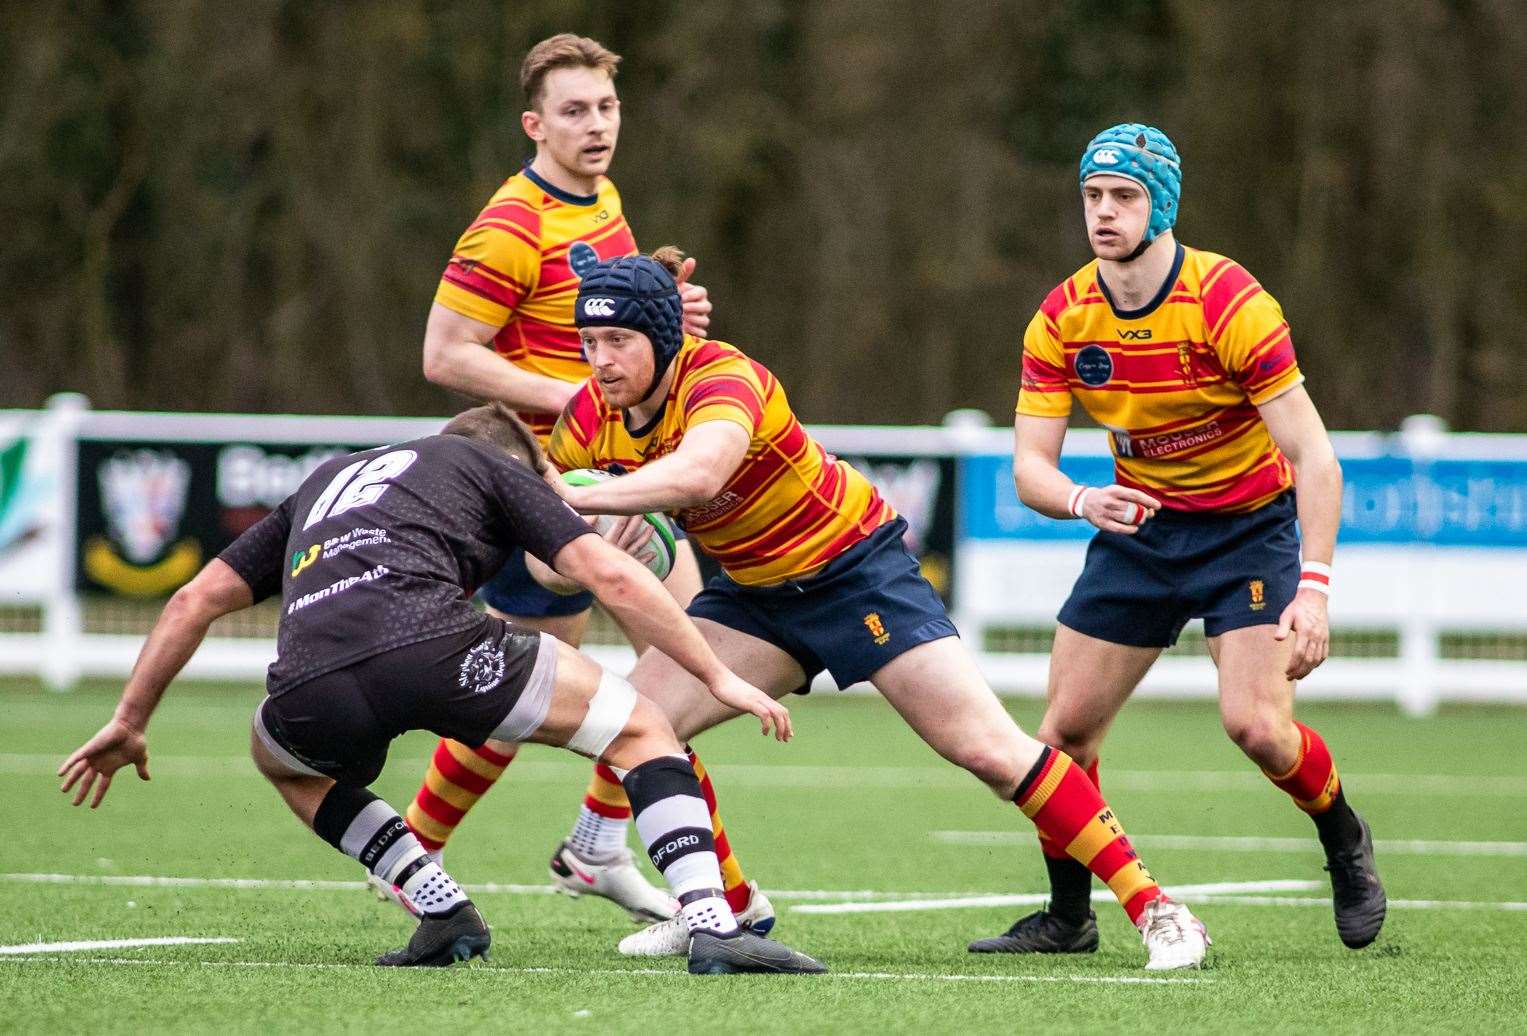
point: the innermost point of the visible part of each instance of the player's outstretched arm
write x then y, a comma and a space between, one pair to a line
1296, 428
1043, 487
693, 474
640, 603
457, 356
216, 591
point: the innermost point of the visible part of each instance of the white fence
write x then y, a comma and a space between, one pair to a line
1433, 556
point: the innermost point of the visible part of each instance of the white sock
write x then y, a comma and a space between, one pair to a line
432, 890
596, 838
709, 913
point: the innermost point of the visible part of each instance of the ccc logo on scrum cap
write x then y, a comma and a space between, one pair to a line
599, 307
1105, 156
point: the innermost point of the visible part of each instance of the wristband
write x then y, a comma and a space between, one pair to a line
1078, 500
1315, 575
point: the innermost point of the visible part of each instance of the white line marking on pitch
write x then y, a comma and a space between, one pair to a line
109, 944
901, 976
955, 902
1234, 844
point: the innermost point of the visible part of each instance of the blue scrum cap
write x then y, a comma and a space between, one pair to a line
1145, 155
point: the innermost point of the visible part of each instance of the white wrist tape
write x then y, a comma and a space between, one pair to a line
1315, 575
1078, 500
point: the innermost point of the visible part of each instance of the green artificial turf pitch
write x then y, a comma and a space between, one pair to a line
855, 811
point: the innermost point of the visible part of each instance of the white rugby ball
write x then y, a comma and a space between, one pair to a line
662, 544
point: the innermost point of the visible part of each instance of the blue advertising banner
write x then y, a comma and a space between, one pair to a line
1388, 500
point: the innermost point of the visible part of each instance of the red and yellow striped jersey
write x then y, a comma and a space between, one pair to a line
790, 508
518, 265
1176, 384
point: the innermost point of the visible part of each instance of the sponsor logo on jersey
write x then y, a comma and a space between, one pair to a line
336, 588
482, 668
303, 558
582, 258
1135, 334
1149, 447
877, 628
1094, 366
1258, 595
598, 307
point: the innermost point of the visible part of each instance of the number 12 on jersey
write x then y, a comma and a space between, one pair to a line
359, 484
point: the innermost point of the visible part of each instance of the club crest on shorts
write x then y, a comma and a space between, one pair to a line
582, 258
1258, 595
1094, 366
877, 628
483, 668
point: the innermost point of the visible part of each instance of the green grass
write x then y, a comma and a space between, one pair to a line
850, 805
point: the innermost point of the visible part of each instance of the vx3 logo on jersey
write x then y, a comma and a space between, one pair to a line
598, 307
1139, 334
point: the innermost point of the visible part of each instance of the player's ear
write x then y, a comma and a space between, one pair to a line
530, 122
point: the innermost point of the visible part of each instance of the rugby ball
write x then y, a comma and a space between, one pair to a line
662, 545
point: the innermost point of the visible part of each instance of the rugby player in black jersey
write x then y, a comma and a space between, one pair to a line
375, 558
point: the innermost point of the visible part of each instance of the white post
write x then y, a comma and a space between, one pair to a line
62, 627
1424, 437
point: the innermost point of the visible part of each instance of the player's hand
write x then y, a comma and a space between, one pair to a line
94, 762
695, 299
1305, 618
1119, 509
629, 533
735, 692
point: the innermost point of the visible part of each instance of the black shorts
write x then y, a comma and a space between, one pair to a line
1231, 570
493, 680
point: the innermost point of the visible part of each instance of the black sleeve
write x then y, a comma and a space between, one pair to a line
536, 516
259, 556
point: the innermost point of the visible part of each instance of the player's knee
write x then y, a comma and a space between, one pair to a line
1077, 742
1258, 734
646, 735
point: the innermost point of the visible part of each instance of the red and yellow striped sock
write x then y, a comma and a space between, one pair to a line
457, 777
1312, 781
1068, 809
1058, 852
733, 883
606, 796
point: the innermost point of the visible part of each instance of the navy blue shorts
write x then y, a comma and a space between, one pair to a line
514, 592
1231, 570
869, 605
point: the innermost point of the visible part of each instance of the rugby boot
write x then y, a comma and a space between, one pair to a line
1356, 892
746, 952
1043, 932
617, 879
439, 942
1173, 937
671, 938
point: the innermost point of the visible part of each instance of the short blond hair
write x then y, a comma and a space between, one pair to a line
562, 51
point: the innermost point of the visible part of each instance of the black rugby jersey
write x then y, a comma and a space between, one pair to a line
384, 548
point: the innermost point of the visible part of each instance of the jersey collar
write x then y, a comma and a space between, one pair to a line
557, 192
1161, 295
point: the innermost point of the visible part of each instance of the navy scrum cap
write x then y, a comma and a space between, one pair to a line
638, 293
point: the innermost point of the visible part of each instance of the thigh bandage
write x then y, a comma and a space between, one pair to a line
530, 707
296, 767
609, 711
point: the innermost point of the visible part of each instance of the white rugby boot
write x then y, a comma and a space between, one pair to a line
1173, 936
617, 879
671, 938
387, 892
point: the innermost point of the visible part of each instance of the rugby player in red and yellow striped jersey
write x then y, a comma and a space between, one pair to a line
1187, 362
815, 575
501, 328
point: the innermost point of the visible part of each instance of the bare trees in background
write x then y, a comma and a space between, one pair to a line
220, 205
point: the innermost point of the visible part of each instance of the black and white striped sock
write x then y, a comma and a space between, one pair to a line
674, 824
365, 828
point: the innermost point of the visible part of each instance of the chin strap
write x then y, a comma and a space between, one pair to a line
1138, 252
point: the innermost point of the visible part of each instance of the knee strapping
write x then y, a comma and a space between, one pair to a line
609, 711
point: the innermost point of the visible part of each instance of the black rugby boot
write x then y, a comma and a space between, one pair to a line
1043, 932
746, 952
439, 942
1356, 892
